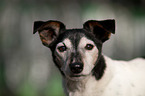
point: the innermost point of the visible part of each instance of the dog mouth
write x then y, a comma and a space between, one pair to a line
77, 76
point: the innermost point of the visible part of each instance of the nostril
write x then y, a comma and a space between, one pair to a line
76, 67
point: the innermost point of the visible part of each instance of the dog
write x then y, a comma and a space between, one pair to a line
86, 71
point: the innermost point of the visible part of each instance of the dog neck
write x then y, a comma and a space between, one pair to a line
96, 80
77, 88
76, 85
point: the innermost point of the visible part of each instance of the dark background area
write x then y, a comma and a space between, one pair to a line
26, 67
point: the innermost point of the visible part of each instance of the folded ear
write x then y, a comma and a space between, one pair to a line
101, 29
48, 31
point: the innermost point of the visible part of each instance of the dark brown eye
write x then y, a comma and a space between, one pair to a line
89, 47
62, 48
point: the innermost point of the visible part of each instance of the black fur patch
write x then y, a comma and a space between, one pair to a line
98, 70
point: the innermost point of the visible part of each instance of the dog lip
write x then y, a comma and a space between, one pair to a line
77, 75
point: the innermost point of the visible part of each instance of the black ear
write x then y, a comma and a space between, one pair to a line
48, 31
101, 29
37, 25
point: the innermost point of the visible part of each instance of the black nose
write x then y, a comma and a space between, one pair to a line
76, 67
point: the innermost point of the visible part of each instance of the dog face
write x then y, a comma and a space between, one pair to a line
77, 54
75, 51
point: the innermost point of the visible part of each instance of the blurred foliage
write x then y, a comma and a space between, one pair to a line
55, 87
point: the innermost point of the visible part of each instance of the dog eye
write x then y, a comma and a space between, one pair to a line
62, 48
89, 47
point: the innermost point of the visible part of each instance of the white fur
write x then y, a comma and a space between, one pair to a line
121, 78
89, 56
128, 77
68, 44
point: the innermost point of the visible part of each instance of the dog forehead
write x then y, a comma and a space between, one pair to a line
75, 37
67, 42
84, 41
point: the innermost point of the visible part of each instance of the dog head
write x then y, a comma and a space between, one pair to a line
75, 51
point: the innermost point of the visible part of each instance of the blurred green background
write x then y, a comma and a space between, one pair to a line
26, 67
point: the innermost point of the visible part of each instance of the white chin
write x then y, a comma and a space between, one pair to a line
76, 78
